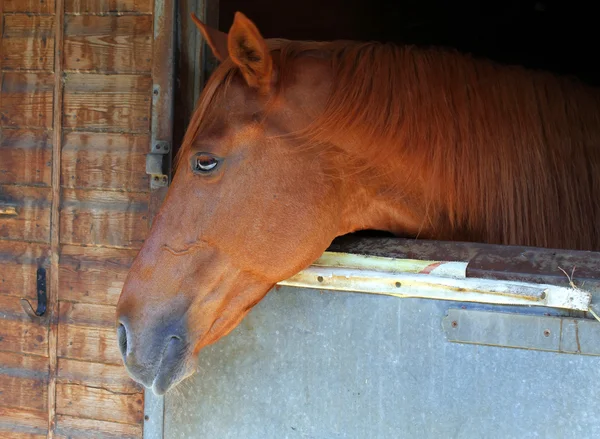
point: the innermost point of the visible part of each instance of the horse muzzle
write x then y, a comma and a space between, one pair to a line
158, 359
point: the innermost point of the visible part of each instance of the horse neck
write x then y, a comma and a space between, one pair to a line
385, 195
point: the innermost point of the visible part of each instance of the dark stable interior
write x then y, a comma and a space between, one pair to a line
559, 36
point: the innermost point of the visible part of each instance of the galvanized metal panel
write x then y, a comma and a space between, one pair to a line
320, 364
556, 334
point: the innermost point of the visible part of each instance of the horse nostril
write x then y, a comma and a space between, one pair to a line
122, 337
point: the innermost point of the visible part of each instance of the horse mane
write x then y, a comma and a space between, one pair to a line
509, 155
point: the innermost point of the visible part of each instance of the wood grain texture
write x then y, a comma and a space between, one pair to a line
29, 6
26, 157
118, 103
23, 381
28, 42
115, 219
93, 274
105, 161
22, 424
87, 332
104, 6
32, 222
115, 44
18, 266
26, 99
100, 404
18, 333
68, 427
55, 212
108, 376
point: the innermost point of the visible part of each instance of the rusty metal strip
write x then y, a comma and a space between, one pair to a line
55, 215
409, 278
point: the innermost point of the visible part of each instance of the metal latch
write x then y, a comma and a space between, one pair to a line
156, 164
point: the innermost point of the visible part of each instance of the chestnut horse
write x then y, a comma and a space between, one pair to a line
295, 143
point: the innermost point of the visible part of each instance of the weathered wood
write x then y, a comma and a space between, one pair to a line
107, 102
87, 332
87, 314
32, 222
93, 274
27, 434
105, 161
55, 215
68, 427
28, 42
23, 381
18, 265
18, 333
22, 424
501, 262
26, 157
116, 219
115, 44
108, 376
26, 99
104, 6
99, 403
29, 6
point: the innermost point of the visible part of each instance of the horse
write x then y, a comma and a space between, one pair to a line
294, 143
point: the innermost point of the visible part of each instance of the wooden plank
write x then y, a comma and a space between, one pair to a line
98, 403
105, 6
32, 222
68, 427
115, 44
23, 381
97, 102
22, 424
26, 99
28, 42
116, 219
18, 266
112, 377
55, 215
29, 6
29, 434
87, 332
18, 333
93, 274
26, 157
87, 315
105, 161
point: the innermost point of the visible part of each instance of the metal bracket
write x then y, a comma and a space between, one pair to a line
42, 297
566, 335
155, 164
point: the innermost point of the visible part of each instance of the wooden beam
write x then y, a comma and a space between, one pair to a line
55, 216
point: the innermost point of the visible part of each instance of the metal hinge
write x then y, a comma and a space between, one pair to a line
156, 163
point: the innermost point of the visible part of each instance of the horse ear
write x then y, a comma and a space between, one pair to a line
216, 40
249, 51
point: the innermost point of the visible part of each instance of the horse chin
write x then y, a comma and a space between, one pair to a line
172, 371
164, 383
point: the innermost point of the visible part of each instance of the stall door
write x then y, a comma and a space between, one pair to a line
81, 105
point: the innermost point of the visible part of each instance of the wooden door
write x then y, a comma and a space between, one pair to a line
85, 95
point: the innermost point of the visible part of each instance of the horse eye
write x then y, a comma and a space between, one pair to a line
204, 163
